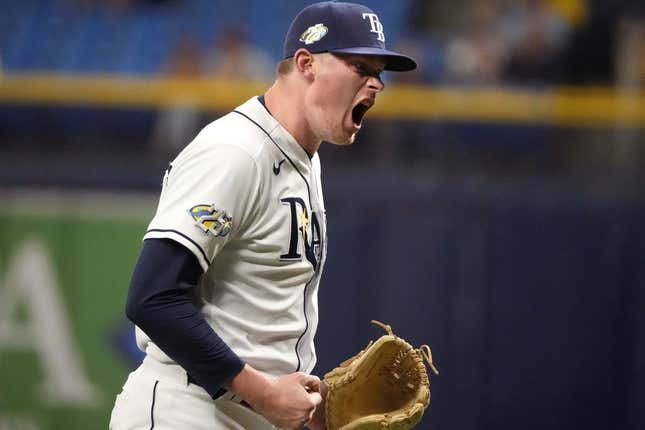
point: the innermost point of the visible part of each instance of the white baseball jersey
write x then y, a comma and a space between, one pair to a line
246, 199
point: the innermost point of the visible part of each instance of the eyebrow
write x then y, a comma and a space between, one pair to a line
362, 62
368, 66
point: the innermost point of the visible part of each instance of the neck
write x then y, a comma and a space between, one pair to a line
286, 103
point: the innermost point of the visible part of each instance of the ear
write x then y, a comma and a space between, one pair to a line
303, 61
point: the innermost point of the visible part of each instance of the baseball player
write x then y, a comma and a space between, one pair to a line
224, 293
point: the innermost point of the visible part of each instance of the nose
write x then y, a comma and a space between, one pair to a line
375, 83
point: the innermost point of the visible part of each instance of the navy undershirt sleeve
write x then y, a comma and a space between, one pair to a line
159, 302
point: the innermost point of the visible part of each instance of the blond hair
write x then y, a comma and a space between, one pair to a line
285, 66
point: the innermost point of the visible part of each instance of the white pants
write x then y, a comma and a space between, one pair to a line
158, 396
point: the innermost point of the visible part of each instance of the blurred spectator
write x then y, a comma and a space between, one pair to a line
478, 55
496, 41
535, 35
176, 124
437, 17
234, 57
630, 80
590, 56
185, 57
630, 52
574, 12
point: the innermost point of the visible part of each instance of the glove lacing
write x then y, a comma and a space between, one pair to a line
424, 350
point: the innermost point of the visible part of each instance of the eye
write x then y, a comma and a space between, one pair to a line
366, 71
361, 69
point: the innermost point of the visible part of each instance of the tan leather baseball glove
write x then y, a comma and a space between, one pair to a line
385, 386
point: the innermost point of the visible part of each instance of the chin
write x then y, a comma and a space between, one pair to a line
343, 141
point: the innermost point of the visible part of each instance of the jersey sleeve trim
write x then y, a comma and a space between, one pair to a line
181, 238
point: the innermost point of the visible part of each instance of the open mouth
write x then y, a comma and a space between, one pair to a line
359, 111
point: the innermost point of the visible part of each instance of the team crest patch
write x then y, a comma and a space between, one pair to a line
313, 34
209, 219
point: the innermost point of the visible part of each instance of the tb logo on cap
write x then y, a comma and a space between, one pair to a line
376, 25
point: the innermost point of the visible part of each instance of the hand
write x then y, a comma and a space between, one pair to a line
291, 400
288, 402
318, 421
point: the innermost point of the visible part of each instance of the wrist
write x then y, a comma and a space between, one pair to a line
251, 385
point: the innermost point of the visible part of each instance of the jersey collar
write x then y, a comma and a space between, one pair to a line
255, 110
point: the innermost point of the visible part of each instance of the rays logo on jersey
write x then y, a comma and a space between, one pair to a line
301, 225
209, 219
313, 34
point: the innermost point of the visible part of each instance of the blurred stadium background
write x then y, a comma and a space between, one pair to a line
492, 207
